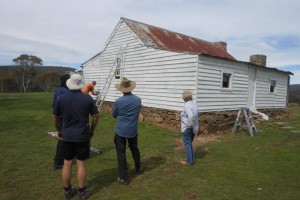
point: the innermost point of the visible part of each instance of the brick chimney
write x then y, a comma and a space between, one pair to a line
221, 45
259, 59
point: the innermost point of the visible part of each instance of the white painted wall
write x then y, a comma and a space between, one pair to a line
161, 76
210, 95
91, 71
265, 99
251, 87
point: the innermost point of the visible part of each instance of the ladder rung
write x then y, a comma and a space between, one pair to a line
110, 77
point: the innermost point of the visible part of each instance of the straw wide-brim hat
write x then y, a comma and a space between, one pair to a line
125, 85
75, 82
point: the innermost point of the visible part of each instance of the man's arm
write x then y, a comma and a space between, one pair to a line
54, 99
92, 88
56, 123
190, 115
114, 110
95, 120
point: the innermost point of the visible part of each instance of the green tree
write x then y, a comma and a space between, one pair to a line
7, 80
48, 82
26, 70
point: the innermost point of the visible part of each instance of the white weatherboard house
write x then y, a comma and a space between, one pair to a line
164, 63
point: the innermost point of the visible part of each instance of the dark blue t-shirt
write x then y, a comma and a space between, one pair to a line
75, 107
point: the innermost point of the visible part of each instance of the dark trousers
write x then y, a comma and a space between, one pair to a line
58, 159
120, 143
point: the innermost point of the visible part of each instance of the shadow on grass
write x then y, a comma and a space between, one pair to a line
107, 149
108, 176
152, 162
200, 153
102, 179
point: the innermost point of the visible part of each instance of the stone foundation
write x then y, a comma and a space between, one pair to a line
210, 122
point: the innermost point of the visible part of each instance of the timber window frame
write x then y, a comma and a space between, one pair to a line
118, 69
273, 86
226, 80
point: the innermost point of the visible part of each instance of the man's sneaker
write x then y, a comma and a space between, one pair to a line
140, 171
57, 166
122, 181
70, 193
84, 195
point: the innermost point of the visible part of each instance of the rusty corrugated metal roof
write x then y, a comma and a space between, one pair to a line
172, 41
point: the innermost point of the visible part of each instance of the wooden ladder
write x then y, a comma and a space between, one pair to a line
116, 63
246, 113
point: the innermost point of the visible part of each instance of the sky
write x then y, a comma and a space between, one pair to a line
69, 32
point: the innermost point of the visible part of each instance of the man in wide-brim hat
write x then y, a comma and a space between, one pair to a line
126, 85
126, 109
75, 108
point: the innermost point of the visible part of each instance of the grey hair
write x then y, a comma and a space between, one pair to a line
187, 95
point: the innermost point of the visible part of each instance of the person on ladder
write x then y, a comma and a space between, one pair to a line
90, 88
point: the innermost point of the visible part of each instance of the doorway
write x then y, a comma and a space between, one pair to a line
251, 87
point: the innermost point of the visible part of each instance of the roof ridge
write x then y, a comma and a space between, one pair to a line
126, 19
161, 38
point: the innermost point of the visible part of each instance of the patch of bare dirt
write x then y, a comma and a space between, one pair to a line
192, 196
198, 140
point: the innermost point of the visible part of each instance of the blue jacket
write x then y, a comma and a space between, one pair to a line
126, 109
59, 91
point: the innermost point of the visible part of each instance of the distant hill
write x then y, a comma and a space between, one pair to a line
295, 87
43, 69
59, 70
46, 79
294, 92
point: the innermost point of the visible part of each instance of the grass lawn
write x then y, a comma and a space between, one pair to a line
236, 166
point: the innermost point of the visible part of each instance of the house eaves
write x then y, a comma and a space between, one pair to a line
254, 65
91, 58
269, 68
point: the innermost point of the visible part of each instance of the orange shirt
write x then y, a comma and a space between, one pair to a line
89, 87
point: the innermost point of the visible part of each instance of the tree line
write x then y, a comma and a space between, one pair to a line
294, 92
29, 75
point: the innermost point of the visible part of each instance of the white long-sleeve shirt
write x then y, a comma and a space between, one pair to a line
189, 117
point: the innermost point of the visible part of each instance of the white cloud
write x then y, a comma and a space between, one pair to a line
295, 79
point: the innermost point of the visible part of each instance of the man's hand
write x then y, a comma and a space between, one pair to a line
94, 124
92, 133
56, 124
59, 135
